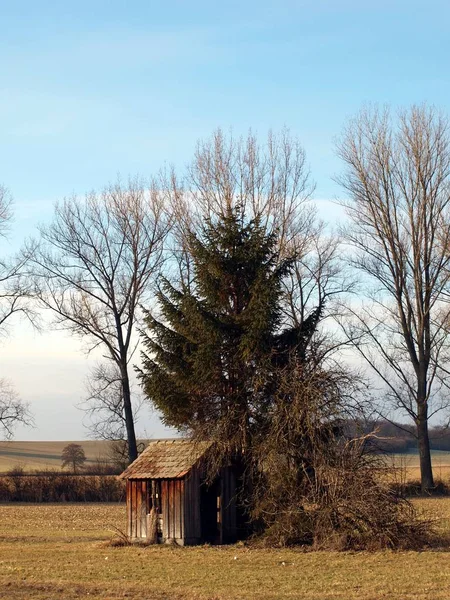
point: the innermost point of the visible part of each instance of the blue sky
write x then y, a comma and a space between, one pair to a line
92, 89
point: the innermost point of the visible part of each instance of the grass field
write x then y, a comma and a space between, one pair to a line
45, 455
61, 551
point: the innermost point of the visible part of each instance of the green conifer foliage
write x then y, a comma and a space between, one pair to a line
210, 358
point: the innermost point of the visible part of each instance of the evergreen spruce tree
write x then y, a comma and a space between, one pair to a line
211, 358
220, 364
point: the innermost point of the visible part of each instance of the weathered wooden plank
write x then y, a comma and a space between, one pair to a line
181, 505
195, 504
133, 509
143, 516
173, 487
138, 509
129, 518
128, 507
177, 512
162, 498
165, 508
171, 509
135, 506
148, 487
186, 524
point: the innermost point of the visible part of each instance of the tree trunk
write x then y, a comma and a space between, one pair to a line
426, 471
129, 420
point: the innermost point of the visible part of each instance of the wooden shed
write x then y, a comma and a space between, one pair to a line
167, 492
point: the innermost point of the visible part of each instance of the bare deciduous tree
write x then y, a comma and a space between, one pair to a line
104, 408
14, 289
270, 180
13, 294
95, 264
13, 410
104, 402
5, 210
398, 181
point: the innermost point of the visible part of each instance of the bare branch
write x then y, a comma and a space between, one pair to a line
13, 410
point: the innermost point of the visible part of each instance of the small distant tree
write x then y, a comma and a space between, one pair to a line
73, 456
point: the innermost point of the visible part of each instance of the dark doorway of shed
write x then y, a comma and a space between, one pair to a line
154, 515
210, 512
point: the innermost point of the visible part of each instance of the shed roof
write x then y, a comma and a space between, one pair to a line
166, 459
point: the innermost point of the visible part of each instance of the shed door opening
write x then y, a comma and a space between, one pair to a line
154, 503
210, 512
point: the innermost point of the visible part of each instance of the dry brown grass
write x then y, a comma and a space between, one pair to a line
60, 551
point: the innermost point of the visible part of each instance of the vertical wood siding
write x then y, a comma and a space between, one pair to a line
133, 509
129, 519
172, 492
144, 511
180, 508
137, 508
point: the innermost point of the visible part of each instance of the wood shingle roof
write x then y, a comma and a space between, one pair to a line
166, 459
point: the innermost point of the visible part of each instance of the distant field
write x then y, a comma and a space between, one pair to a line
439, 458
61, 551
409, 470
45, 455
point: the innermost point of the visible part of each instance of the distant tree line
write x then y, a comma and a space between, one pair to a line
394, 437
52, 486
